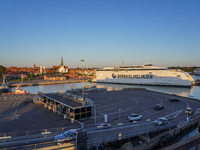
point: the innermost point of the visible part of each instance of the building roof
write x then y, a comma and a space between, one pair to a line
62, 99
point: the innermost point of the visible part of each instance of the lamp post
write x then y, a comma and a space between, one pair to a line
82, 60
119, 113
82, 66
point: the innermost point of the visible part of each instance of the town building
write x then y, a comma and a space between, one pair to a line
61, 68
55, 77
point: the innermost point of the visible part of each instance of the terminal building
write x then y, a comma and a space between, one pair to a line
69, 105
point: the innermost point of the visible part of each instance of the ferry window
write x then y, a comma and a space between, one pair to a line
150, 72
178, 76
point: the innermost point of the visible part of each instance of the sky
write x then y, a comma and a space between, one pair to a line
104, 33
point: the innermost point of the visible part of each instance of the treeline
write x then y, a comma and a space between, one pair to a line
185, 69
2, 70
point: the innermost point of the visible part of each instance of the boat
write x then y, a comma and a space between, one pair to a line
144, 75
93, 88
18, 90
4, 87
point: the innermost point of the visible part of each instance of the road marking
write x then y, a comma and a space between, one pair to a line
5, 137
120, 124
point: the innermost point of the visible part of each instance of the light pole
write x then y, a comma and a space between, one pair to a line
119, 113
82, 66
82, 60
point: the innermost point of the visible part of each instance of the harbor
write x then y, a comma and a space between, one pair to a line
99, 75
115, 104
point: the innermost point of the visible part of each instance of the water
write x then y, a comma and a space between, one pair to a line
51, 88
186, 92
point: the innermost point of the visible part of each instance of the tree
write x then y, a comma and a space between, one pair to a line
2, 70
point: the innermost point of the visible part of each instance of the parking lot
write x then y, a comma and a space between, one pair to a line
17, 116
119, 104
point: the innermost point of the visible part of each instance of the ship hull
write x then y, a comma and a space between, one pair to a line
157, 78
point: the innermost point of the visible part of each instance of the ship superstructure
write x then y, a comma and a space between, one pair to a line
143, 75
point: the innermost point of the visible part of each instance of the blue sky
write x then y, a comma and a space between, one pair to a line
102, 32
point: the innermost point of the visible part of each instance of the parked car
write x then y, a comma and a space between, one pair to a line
134, 117
66, 136
104, 126
174, 100
188, 111
159, 107
161, 121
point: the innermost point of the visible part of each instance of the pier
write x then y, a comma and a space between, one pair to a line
42, 82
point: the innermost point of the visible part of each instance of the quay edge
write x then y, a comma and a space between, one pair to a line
45, 83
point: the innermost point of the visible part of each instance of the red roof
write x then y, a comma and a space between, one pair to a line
56, 67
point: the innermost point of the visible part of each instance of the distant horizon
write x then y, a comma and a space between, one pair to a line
92, 67
103, 33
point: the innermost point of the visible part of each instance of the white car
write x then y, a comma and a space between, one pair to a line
161, 121
66, 136
134, 117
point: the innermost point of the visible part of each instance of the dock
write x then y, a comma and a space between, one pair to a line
42, 82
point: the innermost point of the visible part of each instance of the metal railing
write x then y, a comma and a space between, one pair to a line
13, 136
123, 132
44, 146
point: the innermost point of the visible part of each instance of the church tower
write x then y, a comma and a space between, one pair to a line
61, 61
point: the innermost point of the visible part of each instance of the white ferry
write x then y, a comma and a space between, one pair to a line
144, 75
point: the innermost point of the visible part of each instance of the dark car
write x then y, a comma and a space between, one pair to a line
174, 100
66, 136
104, 126
159, 107
161, 121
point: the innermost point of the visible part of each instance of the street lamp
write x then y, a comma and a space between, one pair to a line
82, 66
82, 60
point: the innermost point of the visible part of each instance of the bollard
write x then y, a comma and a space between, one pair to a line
106, 117
65, 116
